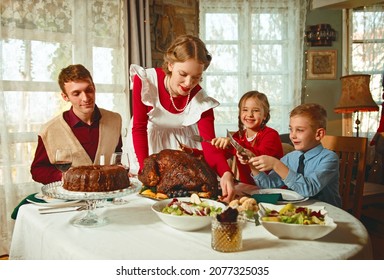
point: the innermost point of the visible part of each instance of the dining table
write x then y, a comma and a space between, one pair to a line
135, 232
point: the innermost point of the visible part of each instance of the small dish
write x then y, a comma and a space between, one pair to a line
184, 223
296, 231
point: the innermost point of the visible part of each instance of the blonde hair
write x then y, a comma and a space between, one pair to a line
316, 114
186, 47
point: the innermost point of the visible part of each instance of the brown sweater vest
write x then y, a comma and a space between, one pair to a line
58, 134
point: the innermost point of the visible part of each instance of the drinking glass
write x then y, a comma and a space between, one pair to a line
63, 159
227, 237
120, 158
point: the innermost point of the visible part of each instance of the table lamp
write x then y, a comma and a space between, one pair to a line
355, 97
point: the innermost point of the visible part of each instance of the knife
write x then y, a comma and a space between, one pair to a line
61, 206
247, 154
56, 211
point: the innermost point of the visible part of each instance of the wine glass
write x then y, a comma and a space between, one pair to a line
120, 158
63, 159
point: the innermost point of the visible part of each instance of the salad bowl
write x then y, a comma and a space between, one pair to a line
187, 222
284, 230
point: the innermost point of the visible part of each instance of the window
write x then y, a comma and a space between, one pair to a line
255, 45
366, 55
38, 40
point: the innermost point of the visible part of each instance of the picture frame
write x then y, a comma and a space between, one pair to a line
321, 64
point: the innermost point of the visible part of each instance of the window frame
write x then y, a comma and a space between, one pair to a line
18, 145
246, 75
369, 120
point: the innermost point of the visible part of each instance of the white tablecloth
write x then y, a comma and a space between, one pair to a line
135, 232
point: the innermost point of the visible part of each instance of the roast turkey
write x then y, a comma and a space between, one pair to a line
171, 170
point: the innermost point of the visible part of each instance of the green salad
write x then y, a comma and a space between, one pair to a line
294, 215
186, 208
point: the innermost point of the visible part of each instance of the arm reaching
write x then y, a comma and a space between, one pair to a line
220, 142
267, 163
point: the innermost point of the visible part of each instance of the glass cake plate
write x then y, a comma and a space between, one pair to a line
90, 219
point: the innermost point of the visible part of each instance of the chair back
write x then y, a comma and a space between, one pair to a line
352, 152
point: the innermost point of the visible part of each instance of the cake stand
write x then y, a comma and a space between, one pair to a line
90, 219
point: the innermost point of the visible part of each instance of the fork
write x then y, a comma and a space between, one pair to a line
262, 208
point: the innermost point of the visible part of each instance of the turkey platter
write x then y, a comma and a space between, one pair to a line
171, 170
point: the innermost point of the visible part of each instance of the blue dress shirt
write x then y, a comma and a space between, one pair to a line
321, 179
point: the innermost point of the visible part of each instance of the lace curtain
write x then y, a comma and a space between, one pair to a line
255, 45
38, 39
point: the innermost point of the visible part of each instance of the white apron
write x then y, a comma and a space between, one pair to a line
163, 126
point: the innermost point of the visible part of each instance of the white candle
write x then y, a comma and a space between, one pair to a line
102, 160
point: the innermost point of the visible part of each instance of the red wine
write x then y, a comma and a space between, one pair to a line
63, 165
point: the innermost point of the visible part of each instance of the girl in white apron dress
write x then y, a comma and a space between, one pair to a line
164, 127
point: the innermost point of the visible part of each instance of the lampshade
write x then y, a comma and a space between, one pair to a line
355, 95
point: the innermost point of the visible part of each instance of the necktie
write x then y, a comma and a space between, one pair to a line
300, 168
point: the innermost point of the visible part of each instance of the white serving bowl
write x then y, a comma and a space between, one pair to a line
297, 231
185, 223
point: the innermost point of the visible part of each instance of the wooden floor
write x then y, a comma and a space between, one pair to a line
373, 219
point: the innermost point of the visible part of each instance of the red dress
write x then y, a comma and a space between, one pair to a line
267, 142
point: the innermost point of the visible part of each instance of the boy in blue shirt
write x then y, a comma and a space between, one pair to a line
318, 178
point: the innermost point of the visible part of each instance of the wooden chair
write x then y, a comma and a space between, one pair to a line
352, 152
373, 194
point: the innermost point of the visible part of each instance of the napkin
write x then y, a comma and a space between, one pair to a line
272, 198
30, 197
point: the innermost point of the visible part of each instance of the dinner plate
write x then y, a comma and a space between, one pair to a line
48, 199
287, 195
57, 203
